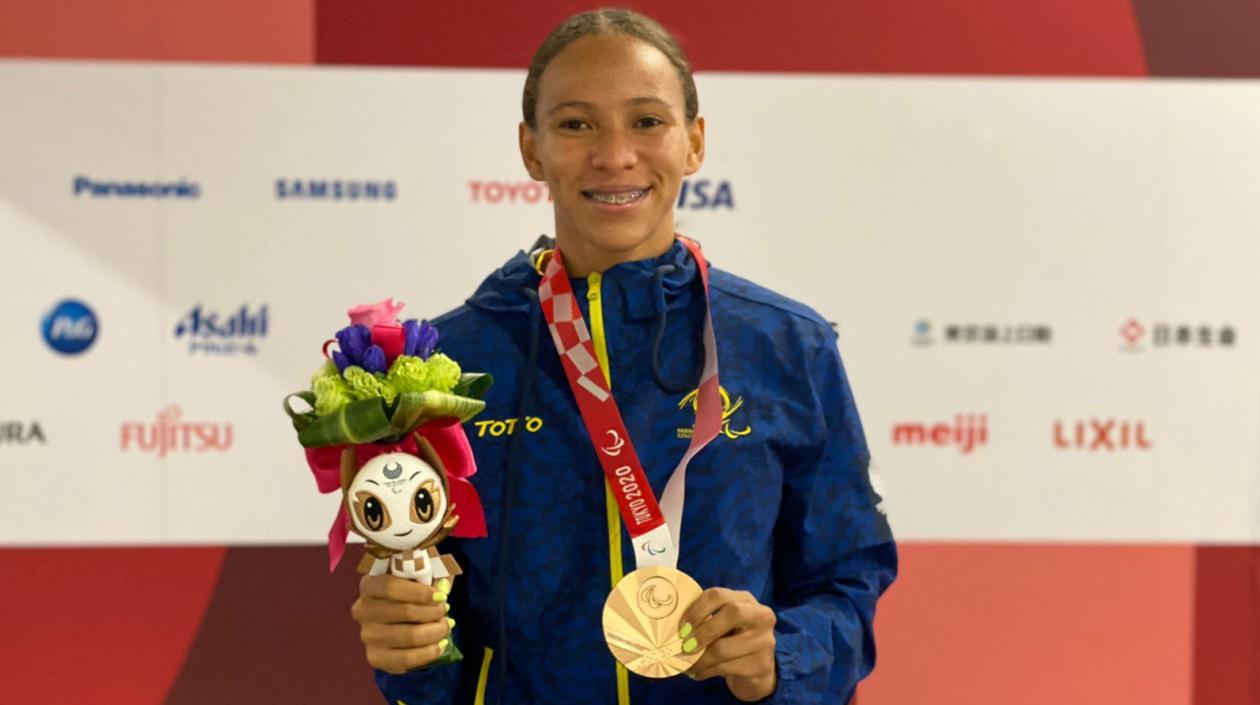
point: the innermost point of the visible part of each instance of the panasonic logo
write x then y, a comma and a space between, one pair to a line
87, 186
335, 190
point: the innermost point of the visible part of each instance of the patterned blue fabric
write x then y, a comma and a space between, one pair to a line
779, 505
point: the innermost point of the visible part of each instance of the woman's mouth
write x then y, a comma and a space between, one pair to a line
616, 198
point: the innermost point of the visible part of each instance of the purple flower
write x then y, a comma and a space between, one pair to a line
374, 360
422, 338
340, 359
354, 342
428, 340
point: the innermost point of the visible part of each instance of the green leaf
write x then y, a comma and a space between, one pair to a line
415, 408
473, 385
361, 421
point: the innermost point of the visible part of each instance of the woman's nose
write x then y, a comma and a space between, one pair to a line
613, 150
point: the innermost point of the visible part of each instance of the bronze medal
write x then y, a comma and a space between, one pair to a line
641, 620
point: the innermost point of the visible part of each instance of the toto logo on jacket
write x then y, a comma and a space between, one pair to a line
70, 327
966, 433
335, 190
215, 333
1135, 337
21, 433
1106, 435
94, 188
171, 434
695, 194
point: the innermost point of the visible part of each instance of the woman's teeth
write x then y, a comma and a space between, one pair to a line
617, 199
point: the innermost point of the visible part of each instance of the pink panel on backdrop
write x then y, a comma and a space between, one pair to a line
105, 626
967, 624
275, 31
1053, 37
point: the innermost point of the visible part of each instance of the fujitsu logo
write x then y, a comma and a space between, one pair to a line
1094, 435
966, 433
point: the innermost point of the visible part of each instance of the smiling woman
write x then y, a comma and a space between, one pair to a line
782, 527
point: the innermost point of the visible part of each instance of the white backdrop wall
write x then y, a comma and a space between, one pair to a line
1068, 266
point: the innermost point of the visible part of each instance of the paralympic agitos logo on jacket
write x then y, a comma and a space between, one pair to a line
728, 410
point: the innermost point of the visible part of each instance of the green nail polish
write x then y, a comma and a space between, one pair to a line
439, 596
689, 645
685, 631
443, 644
447, 605
450, 622
444, 585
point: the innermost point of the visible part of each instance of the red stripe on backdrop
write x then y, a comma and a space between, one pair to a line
1053, 37
1227, 625
274, 31
1201, 38
969, 624
105, 626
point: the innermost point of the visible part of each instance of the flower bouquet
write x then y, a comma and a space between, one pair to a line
383, 427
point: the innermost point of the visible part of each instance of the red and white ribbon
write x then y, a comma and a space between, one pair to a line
655, 529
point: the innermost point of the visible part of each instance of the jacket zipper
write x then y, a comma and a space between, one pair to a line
594, 280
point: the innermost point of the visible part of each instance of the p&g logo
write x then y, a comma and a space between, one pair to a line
70, 328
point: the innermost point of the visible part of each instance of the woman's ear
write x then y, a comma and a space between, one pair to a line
695, 145
528, 139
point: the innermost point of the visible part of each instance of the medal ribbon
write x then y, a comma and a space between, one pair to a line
652, 527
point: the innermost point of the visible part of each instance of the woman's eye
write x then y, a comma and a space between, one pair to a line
572, 124
649, 122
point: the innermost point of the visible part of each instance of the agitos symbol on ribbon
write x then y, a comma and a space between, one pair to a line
640, 625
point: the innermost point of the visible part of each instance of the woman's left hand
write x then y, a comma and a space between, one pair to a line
737, 633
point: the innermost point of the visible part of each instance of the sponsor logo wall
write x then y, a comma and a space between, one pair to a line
1009, 378
1029, 368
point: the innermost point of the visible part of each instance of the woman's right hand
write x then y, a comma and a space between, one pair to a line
403, 623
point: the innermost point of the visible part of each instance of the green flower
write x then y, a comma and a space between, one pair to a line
365, 385
331, 391
443, 372
409, 374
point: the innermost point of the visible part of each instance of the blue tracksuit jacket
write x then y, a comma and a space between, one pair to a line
779, 504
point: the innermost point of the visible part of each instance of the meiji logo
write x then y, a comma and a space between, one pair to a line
86, 185
1164, 335
1094, 435
70, 328
213, 334
170, 434
335, 190
21, 433
967, 432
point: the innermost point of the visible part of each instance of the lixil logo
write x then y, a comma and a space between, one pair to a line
70, 327
1105, 435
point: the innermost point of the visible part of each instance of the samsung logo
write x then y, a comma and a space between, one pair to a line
335, 190
87, 186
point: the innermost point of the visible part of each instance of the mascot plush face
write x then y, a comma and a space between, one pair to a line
397, 500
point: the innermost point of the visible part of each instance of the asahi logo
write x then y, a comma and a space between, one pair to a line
1101, 435
215, 333
965, 433
21, 433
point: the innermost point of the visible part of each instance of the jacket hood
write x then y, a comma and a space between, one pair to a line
648, 287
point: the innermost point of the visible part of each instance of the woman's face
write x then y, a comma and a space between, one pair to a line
613, 144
